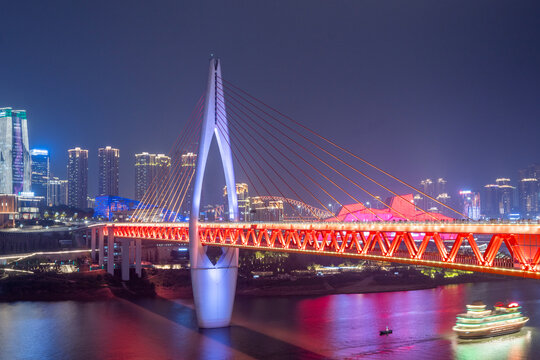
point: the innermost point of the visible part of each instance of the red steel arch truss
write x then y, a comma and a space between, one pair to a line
440, 245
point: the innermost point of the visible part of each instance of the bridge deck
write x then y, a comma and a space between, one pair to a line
445, 245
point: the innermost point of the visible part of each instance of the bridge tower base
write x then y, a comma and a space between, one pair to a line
214, 285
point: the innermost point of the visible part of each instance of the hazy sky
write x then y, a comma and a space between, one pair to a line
422, 88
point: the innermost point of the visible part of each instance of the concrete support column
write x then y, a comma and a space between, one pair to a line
132, 251
138, 253
93, 245
101, 245
110, 250
125, 259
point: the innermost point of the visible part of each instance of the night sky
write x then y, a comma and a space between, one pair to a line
421, 88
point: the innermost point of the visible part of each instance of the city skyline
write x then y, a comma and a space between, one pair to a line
500, 199
446, 93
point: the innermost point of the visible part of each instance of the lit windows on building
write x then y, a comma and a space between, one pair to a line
498, 199
147, 167
15, 162
266, 210
77, 178
189, 163
29, 205
57, 191
470, 204
109, 159
529, 191
242, 194
40, 171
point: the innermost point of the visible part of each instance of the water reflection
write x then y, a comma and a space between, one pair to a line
511, 347
337, 326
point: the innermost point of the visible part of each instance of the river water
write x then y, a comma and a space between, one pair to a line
333, 326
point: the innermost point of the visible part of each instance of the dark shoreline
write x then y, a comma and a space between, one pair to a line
100, 286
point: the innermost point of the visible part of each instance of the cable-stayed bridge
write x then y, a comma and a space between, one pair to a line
285, 162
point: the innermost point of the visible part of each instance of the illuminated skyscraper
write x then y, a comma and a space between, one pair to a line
242, 194
144, 164
108, 171
428, 188
529, 191
147, 167
506, 196
498, 199
189, 161
77, 178
470, 204
57, 191
15, 163
40, 171
490, 202
436, 190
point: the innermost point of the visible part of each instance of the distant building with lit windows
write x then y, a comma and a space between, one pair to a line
15, 162
77, 178
498, 199
189, 162
109, 159
529, 191
242, 194
40, 171
265, 210
434, 189
470, 204
57, 192
147, 167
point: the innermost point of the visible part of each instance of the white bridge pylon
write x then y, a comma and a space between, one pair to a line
214, 286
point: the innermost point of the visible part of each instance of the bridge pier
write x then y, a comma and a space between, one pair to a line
125, 259
214, 288
93, 244
110, 250
101, 245
138, 253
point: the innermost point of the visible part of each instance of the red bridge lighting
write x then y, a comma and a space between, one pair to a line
442, 245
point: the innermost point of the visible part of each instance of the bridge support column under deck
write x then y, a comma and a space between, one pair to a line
101, 245
93, 245
138, 253
110, 250
125, 259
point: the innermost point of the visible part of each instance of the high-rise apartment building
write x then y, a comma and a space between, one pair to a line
490, 202
143, 173
189, 162
436, 190
506, 196
57, 191
242, 195
147, 167
108, 159
77, 173
498, 199
265, 210
428, 187
529, 191
470, 202
15, 163
40, 171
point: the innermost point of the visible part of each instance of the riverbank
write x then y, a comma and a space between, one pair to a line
176, 284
